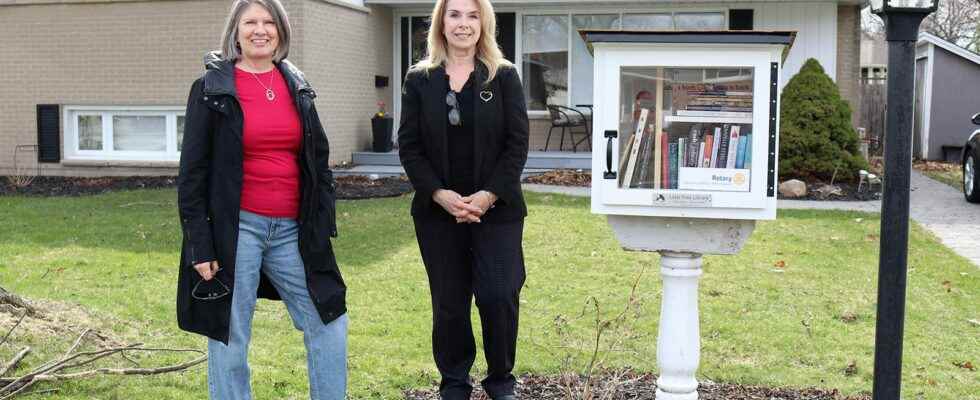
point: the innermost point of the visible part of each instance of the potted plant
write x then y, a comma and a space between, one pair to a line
381, 125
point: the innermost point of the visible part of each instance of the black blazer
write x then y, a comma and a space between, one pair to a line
500, 140
209, 198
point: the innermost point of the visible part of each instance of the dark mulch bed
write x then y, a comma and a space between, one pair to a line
562, 177
348, 187
848, 191
623, 385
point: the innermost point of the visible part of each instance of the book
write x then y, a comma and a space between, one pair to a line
635, 149
658, 153
743, 142
700, 156
748, 151
714, 148
672, 169
706, 156
714, 114
681, 152
723, 146
732, 150
624, 159
693, 139
665, 161
644, 178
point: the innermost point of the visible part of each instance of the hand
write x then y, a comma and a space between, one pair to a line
483, 200
453, 203
207, 269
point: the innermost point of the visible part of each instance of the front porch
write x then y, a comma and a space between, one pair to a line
387, 164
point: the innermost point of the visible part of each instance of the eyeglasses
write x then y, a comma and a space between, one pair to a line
453, 108
213, 289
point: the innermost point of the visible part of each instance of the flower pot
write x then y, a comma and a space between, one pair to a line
381, 129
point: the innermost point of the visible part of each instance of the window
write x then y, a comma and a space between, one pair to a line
545, 62
556, 63
118, 133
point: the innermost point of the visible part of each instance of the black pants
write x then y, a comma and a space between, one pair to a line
484, 260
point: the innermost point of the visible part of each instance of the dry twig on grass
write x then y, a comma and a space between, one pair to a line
61, 368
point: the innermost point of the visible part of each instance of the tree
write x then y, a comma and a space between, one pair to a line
955, 21
816, 139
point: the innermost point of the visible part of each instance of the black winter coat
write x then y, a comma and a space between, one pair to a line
500, 140
209, 197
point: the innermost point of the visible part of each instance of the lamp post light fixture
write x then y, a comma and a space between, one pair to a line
902, 19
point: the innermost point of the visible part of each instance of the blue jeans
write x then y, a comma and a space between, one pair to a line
269, 245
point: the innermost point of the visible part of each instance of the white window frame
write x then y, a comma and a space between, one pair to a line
70, 119
520, 12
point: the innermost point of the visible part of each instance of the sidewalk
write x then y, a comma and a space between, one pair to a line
936, 206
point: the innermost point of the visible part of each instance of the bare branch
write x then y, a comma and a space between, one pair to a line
21, 319
13, 363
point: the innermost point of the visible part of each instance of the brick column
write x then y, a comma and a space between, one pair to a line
849, 56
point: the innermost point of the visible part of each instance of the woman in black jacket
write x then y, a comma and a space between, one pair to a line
256, 200
463, 141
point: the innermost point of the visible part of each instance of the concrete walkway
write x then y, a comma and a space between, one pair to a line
938, 207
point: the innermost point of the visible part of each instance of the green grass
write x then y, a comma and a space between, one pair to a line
116, 255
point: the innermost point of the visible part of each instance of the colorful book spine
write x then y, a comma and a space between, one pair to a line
665, 161
635, 149
693, 139
706, 154
740, 158
723, 146
714, 148
674, 162
732, 149
682, 152
643, 178
748, 151
658, 154
700, 157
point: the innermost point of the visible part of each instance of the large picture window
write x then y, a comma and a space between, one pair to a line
124, 133
556, 64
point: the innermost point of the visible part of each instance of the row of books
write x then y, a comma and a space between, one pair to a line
720, 146
714, 100
652, 160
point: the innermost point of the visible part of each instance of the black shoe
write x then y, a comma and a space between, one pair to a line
506, 397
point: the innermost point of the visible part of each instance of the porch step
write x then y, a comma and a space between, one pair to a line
392, 170
536, 160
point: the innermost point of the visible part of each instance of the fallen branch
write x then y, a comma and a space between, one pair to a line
4, 340
16, 301
13, 363
49, 371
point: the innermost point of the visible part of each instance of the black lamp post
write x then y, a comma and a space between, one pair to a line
902, 19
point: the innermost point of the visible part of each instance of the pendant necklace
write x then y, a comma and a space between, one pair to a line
269, 94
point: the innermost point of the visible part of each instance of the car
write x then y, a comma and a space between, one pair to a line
971, 164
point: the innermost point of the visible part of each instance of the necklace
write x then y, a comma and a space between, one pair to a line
269, 94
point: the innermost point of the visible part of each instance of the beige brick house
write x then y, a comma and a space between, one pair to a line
98, 87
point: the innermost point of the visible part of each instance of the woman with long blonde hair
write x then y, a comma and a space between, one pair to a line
463, 142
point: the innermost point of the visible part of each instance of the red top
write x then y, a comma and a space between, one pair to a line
270, 145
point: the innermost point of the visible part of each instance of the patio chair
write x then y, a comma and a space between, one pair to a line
568, 119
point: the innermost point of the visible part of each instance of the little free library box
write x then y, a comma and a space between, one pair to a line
686, 122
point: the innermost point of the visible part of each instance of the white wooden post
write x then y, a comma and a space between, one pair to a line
679, 337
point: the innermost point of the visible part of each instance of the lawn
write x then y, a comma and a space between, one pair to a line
795, 308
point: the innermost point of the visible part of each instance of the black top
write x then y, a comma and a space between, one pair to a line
460, 138
499, 132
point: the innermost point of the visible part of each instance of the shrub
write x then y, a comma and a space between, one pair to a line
815, 133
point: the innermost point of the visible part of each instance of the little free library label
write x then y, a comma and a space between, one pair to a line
678, 199
714, 179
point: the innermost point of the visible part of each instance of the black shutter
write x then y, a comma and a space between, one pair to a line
405, 36
48, 133
507, 34
740, 20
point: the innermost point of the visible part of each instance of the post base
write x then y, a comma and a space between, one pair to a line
662, 395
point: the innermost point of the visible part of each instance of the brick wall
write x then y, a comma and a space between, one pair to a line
343, 50
849, 56
148, 53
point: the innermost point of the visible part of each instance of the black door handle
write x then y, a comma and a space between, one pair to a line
610, 135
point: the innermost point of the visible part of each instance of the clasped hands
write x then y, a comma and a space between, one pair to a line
466, 209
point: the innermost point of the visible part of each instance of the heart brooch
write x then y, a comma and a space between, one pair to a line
486, 95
